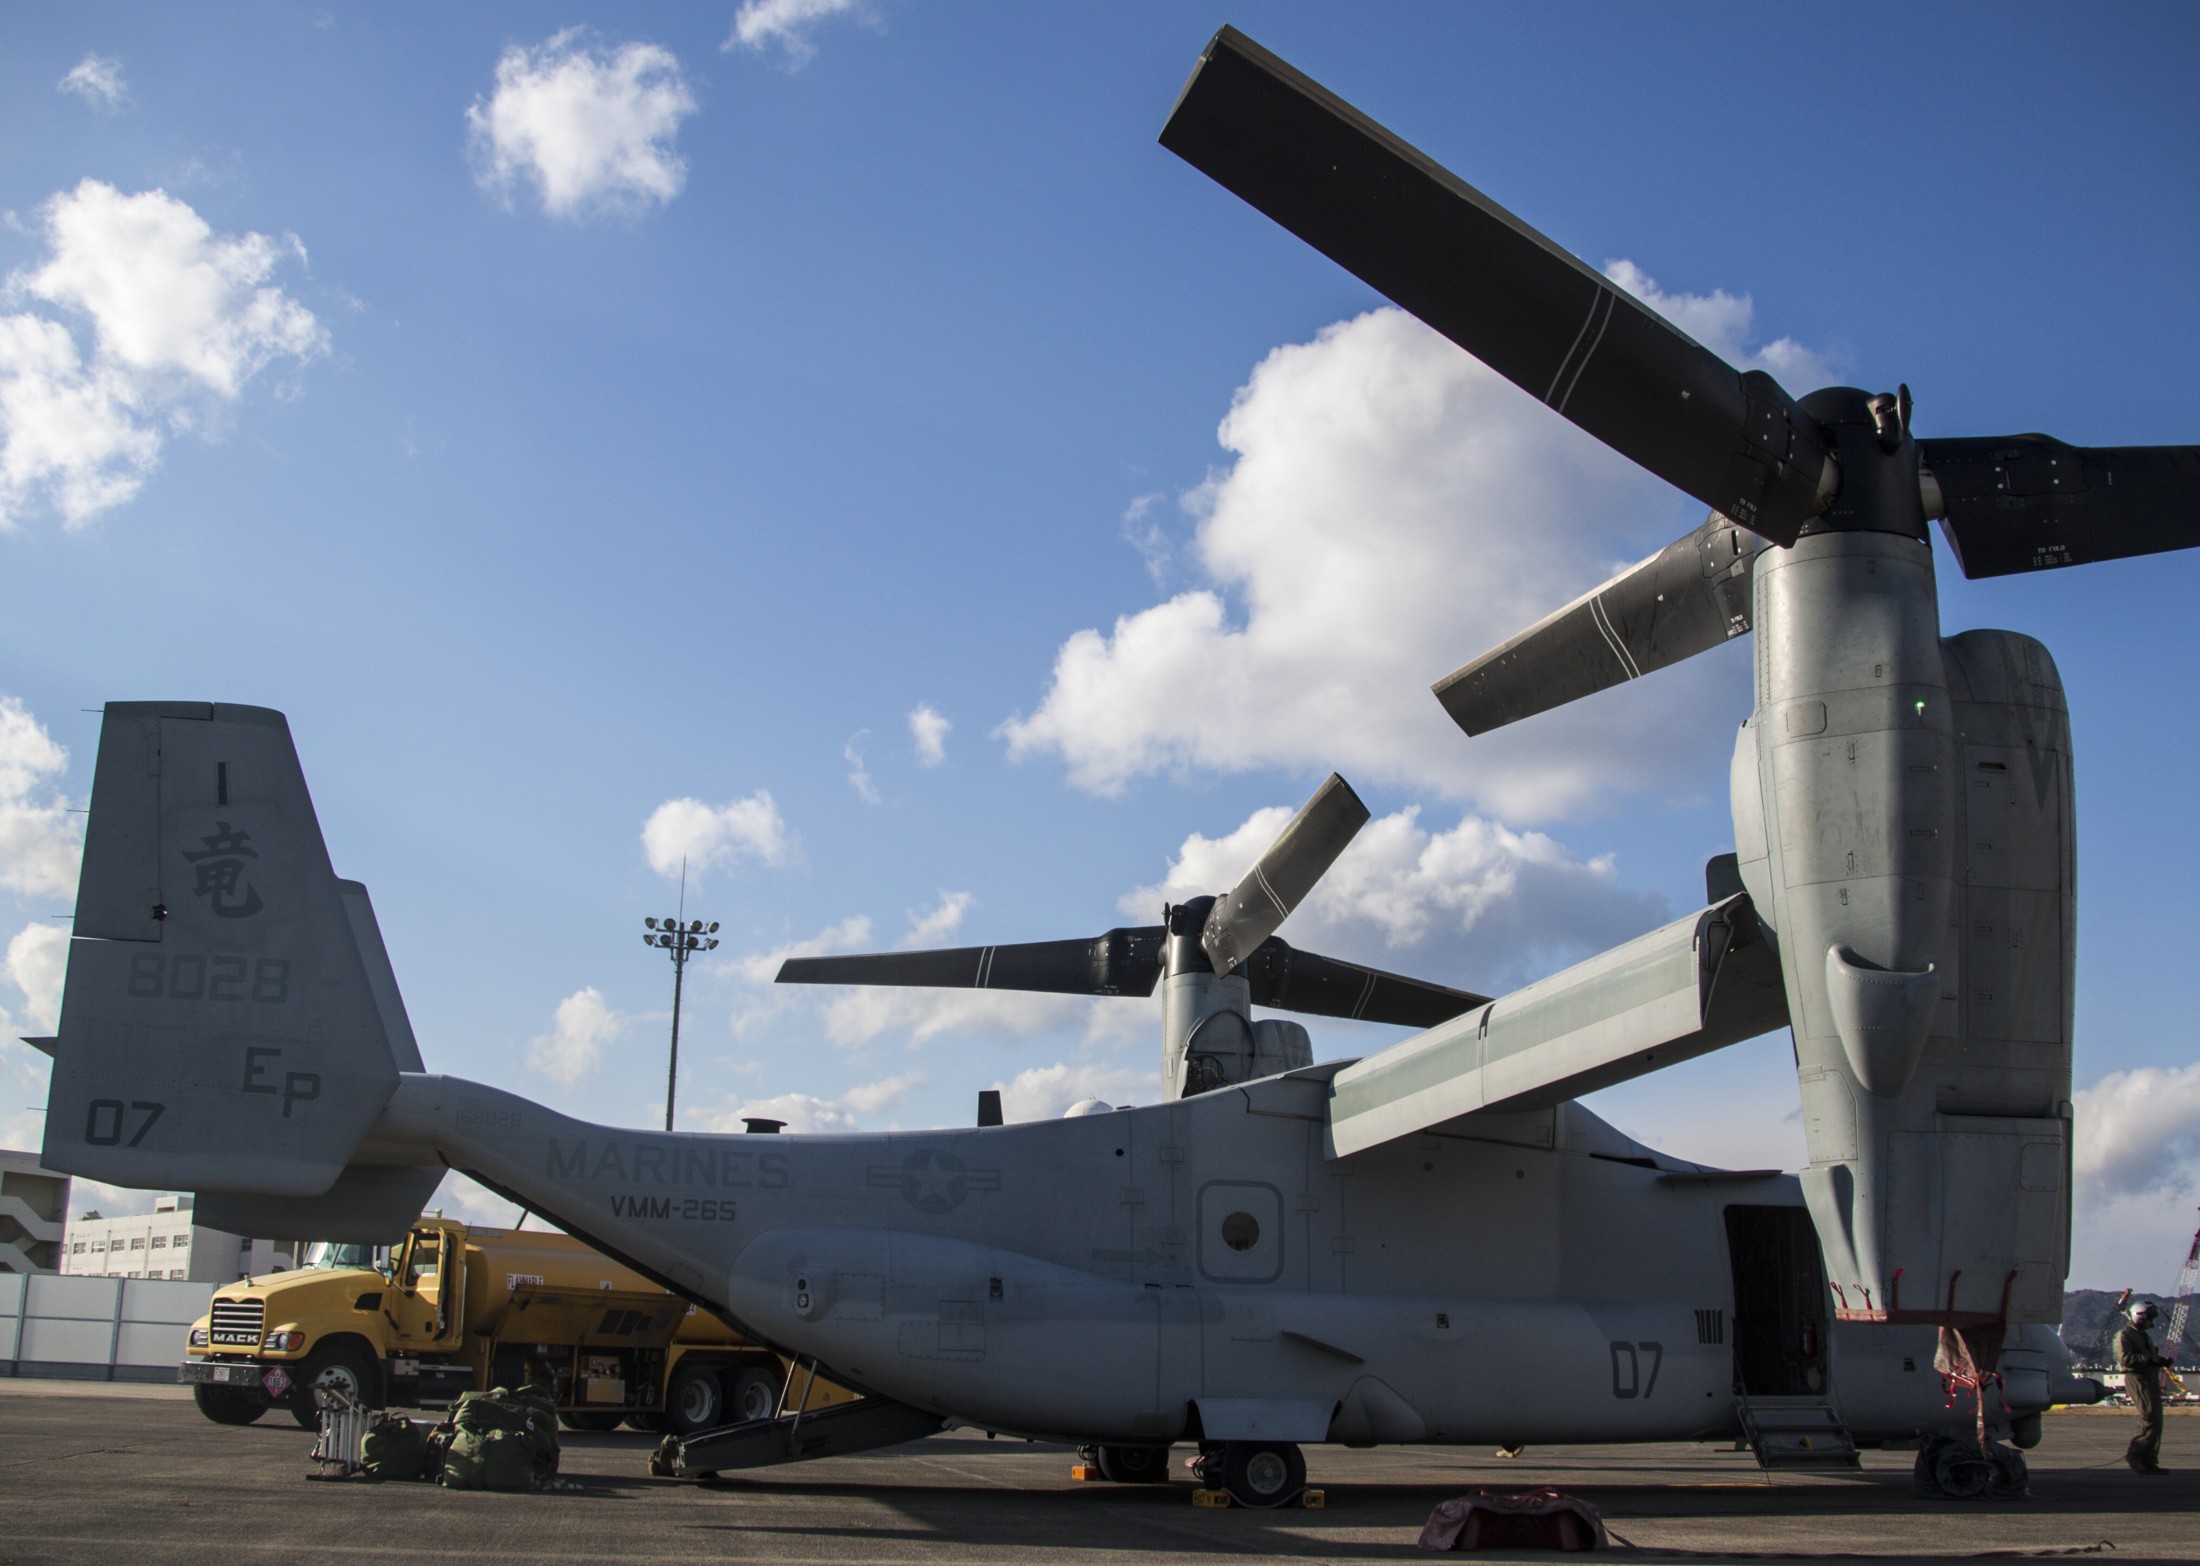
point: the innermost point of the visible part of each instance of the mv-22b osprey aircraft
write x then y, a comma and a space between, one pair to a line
1434, 1243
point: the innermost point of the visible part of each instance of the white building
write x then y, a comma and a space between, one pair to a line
165, 1243
34, 1203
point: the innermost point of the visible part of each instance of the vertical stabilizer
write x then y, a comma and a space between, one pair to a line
220, 1028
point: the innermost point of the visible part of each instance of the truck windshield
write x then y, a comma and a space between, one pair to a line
325, 1253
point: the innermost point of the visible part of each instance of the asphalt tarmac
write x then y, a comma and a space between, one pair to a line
131, 1476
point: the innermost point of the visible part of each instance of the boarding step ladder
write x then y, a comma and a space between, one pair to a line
1796, 1432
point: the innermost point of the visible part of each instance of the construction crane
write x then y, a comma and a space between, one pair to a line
2180, 1310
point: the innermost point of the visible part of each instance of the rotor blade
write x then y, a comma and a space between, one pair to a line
1125, 961
2029, 502
1288, 979
1280, 879
1414, 231
1687, 598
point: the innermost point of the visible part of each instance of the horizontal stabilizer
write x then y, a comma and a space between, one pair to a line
2029, 502
1699, 984
1689, 597
370, 1204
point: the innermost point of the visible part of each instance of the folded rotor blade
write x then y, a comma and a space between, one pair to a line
1280, 879
1687, 598
1414, 231
1124, 961
2030, 503
1286, 978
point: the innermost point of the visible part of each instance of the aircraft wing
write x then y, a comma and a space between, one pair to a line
1699, 984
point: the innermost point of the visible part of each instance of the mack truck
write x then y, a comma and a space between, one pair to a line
452, 1309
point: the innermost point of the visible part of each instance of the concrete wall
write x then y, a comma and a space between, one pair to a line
96, 1329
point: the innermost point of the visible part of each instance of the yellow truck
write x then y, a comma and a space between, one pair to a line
454, 1309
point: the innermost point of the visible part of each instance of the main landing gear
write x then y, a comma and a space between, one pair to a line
1953, 1469
1255, 1473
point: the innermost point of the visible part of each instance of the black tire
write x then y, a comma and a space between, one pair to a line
1134, 1464
228, 1405
593, 1419
654, 1424
333, 1367
752, 1392
694, 1400
1262, 1473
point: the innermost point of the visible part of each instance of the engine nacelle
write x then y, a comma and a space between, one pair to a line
1902, 810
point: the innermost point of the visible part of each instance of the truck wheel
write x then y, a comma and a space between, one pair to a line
694, 1400
752, 1392
1260, 1473
597, 1419
1135, 1464
332, 1368
228, 1405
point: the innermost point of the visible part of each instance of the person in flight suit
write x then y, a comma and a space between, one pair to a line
2142, 1368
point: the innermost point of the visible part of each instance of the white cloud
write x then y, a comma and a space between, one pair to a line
1392, 509
97, 80
1721, 322
805, 1114
2137, 1133
1478, 906
573, 1048
37, 960
591, 128
1043, 1092
1143, 531
702, 836
40, 841
180, 320
929, 730
847, 935
872, 1098
859, 776
936, 924
788, 24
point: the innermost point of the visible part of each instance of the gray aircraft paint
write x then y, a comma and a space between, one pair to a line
1431, 1244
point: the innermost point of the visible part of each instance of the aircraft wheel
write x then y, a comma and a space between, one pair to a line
1261, 1473
2012, 1477
752, 1392
694, 1400
596, 1419
330, 1369
1134, 1464
228, 1405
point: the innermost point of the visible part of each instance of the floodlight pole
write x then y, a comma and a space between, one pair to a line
679, 938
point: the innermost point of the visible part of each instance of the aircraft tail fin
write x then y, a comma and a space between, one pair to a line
229, 1022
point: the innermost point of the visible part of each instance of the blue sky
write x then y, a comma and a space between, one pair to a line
560, 425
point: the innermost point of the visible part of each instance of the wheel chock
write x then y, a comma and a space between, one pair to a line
1084, 1473
1311, 1499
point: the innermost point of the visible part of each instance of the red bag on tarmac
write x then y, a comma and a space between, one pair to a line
1543, 1519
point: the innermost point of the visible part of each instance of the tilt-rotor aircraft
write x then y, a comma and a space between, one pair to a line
1432, 1244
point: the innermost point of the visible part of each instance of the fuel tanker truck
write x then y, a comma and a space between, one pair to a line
454, 1309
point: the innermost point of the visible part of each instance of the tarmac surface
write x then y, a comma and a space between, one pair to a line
126, 1476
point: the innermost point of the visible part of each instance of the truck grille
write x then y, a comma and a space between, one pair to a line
238, 1323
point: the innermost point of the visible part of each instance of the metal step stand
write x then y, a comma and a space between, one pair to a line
1796, 1432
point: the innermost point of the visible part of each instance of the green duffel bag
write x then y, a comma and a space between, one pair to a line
394, 1448
502, 1440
